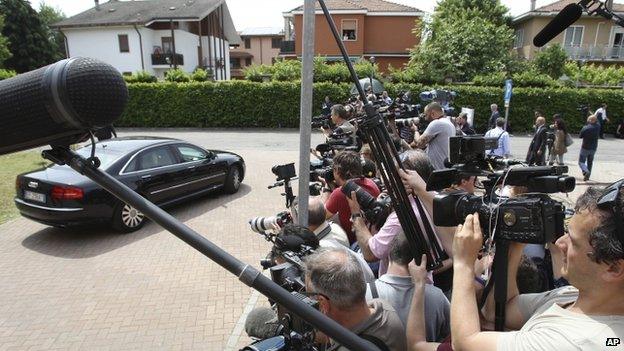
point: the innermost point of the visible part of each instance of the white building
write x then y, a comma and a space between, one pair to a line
154, 35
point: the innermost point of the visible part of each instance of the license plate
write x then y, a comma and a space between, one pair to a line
29, 195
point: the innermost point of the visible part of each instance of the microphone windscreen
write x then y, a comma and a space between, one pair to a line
289, 242
58, 104
563, 20
262, 323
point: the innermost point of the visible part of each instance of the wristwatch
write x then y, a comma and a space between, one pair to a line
326, 190
355, 216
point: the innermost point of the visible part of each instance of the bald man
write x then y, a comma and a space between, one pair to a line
537, 149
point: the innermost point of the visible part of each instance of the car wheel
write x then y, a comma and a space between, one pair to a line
233, 180
127, 218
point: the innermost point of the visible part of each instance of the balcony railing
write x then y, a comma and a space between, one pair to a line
167, 59
287, 47
595, 52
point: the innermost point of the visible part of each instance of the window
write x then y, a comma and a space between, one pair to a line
190, 153
349, 30
152, 158
573, 36
276, 43
519, 38
248, 61
123, 43
167, 45
235, 63
247, 43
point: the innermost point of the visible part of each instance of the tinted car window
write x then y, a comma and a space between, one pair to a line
156, 157
190, 153
106, 156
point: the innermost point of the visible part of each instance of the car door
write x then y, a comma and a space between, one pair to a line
201, 171
156, 169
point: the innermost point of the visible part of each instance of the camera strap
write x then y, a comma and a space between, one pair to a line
324, 232
373, 289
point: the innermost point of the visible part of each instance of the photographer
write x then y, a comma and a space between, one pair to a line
347, 165
437, 135
339, 118
334, 278
377, 247
579, 317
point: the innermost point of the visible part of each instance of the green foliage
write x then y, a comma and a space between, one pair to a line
195, 104
177, 75
593, 74
255, 73
276, 104
496, 79
528, 78
200, 75
468, 37
28, 37
5, 73
4, 44
140, 77
551, 61
48, 16
287, 70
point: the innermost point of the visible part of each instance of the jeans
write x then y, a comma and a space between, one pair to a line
558, 158
586, 160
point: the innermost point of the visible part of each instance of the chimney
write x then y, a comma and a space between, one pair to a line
532, 5
97, 5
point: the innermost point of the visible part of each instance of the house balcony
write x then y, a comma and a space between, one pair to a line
166, 60
287, 47
589, 52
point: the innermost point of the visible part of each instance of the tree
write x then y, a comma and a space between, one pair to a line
28, 39
4, 45
467, 37
551, 61
48, 16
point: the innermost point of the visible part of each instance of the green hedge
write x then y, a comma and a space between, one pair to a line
243, 104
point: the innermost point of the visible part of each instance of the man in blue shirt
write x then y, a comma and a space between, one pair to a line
590, 134
504, 148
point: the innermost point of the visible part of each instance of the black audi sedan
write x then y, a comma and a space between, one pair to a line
165, 171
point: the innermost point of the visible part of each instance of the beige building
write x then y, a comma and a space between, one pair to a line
259, 46
591, 38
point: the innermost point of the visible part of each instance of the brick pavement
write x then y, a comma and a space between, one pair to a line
97, 290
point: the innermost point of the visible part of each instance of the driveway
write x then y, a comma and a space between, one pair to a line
97, 290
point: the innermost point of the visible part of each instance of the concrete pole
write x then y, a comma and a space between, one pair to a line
305, 130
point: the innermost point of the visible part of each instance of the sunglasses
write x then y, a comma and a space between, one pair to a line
610, 201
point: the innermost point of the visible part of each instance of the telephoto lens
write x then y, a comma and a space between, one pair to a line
366, 200
264, 224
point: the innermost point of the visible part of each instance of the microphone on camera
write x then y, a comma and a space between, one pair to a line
59, 104
289, 243
570, 14
262, 323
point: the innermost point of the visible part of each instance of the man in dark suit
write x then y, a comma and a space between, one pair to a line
537, 149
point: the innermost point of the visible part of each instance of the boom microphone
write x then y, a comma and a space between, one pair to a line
563, 20
58, 104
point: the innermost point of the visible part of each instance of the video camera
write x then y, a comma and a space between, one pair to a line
322, 121
443, 97
529, 218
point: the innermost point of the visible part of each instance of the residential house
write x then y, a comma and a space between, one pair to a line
368, 28
590, 39
260, 45
154, 35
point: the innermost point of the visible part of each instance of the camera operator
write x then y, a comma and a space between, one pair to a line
437, 135
334, 278
583, 316
376, 247
504, 147
398, 288
340, 119
347, 165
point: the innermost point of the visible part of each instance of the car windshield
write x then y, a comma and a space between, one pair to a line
107, 156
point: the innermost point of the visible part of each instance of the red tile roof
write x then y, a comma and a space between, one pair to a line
370, 5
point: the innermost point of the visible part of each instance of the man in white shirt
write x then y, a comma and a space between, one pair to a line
504, 147
587, 316
601, 114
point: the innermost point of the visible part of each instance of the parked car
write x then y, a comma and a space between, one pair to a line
164, 171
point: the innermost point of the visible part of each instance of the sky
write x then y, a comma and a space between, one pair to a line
268, 13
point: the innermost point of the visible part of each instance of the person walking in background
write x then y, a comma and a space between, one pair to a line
619, 131
601, 115
537, 150
559, 146
495, 115
589, 134
504, 147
